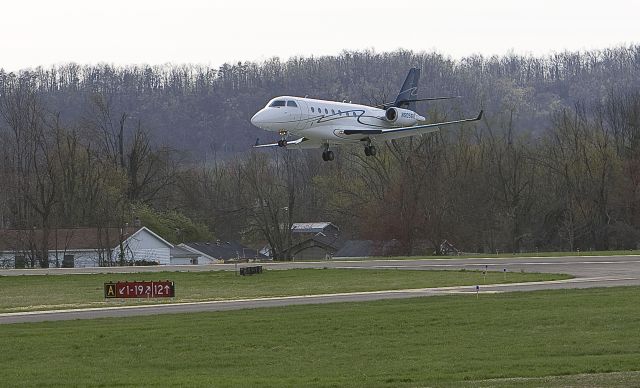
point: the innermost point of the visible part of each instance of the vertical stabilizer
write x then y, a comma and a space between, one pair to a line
409, 91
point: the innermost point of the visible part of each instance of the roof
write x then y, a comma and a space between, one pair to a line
333, 241
67, 238
310, 227
314, 242
223, 249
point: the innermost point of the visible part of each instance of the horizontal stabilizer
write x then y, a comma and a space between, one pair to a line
430, 99
403, 102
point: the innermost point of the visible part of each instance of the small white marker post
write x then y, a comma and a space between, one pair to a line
477, 291
505, 273
485, 274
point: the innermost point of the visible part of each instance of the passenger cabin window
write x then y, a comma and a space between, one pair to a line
319, 110
312, 110
292, 103
277, 103
339, 112
326, 111
333, 112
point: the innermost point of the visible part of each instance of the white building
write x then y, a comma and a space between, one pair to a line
83, 247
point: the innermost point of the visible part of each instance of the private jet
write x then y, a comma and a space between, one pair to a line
325, 124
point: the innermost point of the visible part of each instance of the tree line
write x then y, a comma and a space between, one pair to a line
553, 165
206, 110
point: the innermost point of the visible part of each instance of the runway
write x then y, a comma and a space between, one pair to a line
589, 271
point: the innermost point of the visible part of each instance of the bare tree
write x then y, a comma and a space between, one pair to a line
267, 190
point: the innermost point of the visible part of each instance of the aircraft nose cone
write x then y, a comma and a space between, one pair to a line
255, 120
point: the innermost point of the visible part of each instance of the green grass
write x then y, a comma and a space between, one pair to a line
43, 292
507, 255
584, 380
511, 339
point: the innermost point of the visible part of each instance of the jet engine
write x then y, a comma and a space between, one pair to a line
402, 117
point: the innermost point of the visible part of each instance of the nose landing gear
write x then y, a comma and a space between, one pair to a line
283, 138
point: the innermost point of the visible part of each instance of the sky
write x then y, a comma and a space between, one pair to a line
45, 33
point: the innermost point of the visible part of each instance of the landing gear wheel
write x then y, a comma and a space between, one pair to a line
282, 143
327, 156
369, 150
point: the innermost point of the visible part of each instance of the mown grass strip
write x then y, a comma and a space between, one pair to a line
497, 339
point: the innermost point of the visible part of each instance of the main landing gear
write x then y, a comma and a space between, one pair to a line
327, 155
369, 150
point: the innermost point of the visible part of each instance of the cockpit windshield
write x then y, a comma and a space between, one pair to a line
277, 103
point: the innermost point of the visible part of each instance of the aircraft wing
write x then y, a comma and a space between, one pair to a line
301, 143
395, 133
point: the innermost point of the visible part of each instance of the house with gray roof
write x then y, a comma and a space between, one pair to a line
211, 252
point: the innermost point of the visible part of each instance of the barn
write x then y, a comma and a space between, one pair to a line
314, 240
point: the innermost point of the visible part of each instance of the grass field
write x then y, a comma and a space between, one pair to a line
564, 337
44, 292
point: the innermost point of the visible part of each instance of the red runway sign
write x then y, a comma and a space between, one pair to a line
161, 289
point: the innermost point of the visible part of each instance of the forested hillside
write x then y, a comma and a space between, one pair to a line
203, 109
554, 164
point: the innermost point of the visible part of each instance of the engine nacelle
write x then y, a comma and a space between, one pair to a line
402, 117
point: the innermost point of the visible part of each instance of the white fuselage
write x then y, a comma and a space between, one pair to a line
323, 121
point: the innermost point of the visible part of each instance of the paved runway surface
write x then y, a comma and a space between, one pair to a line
590, 271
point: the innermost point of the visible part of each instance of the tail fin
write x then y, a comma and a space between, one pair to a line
409, 90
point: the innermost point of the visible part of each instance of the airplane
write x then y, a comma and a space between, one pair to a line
325, 124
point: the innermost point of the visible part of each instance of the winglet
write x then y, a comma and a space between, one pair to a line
480, 115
